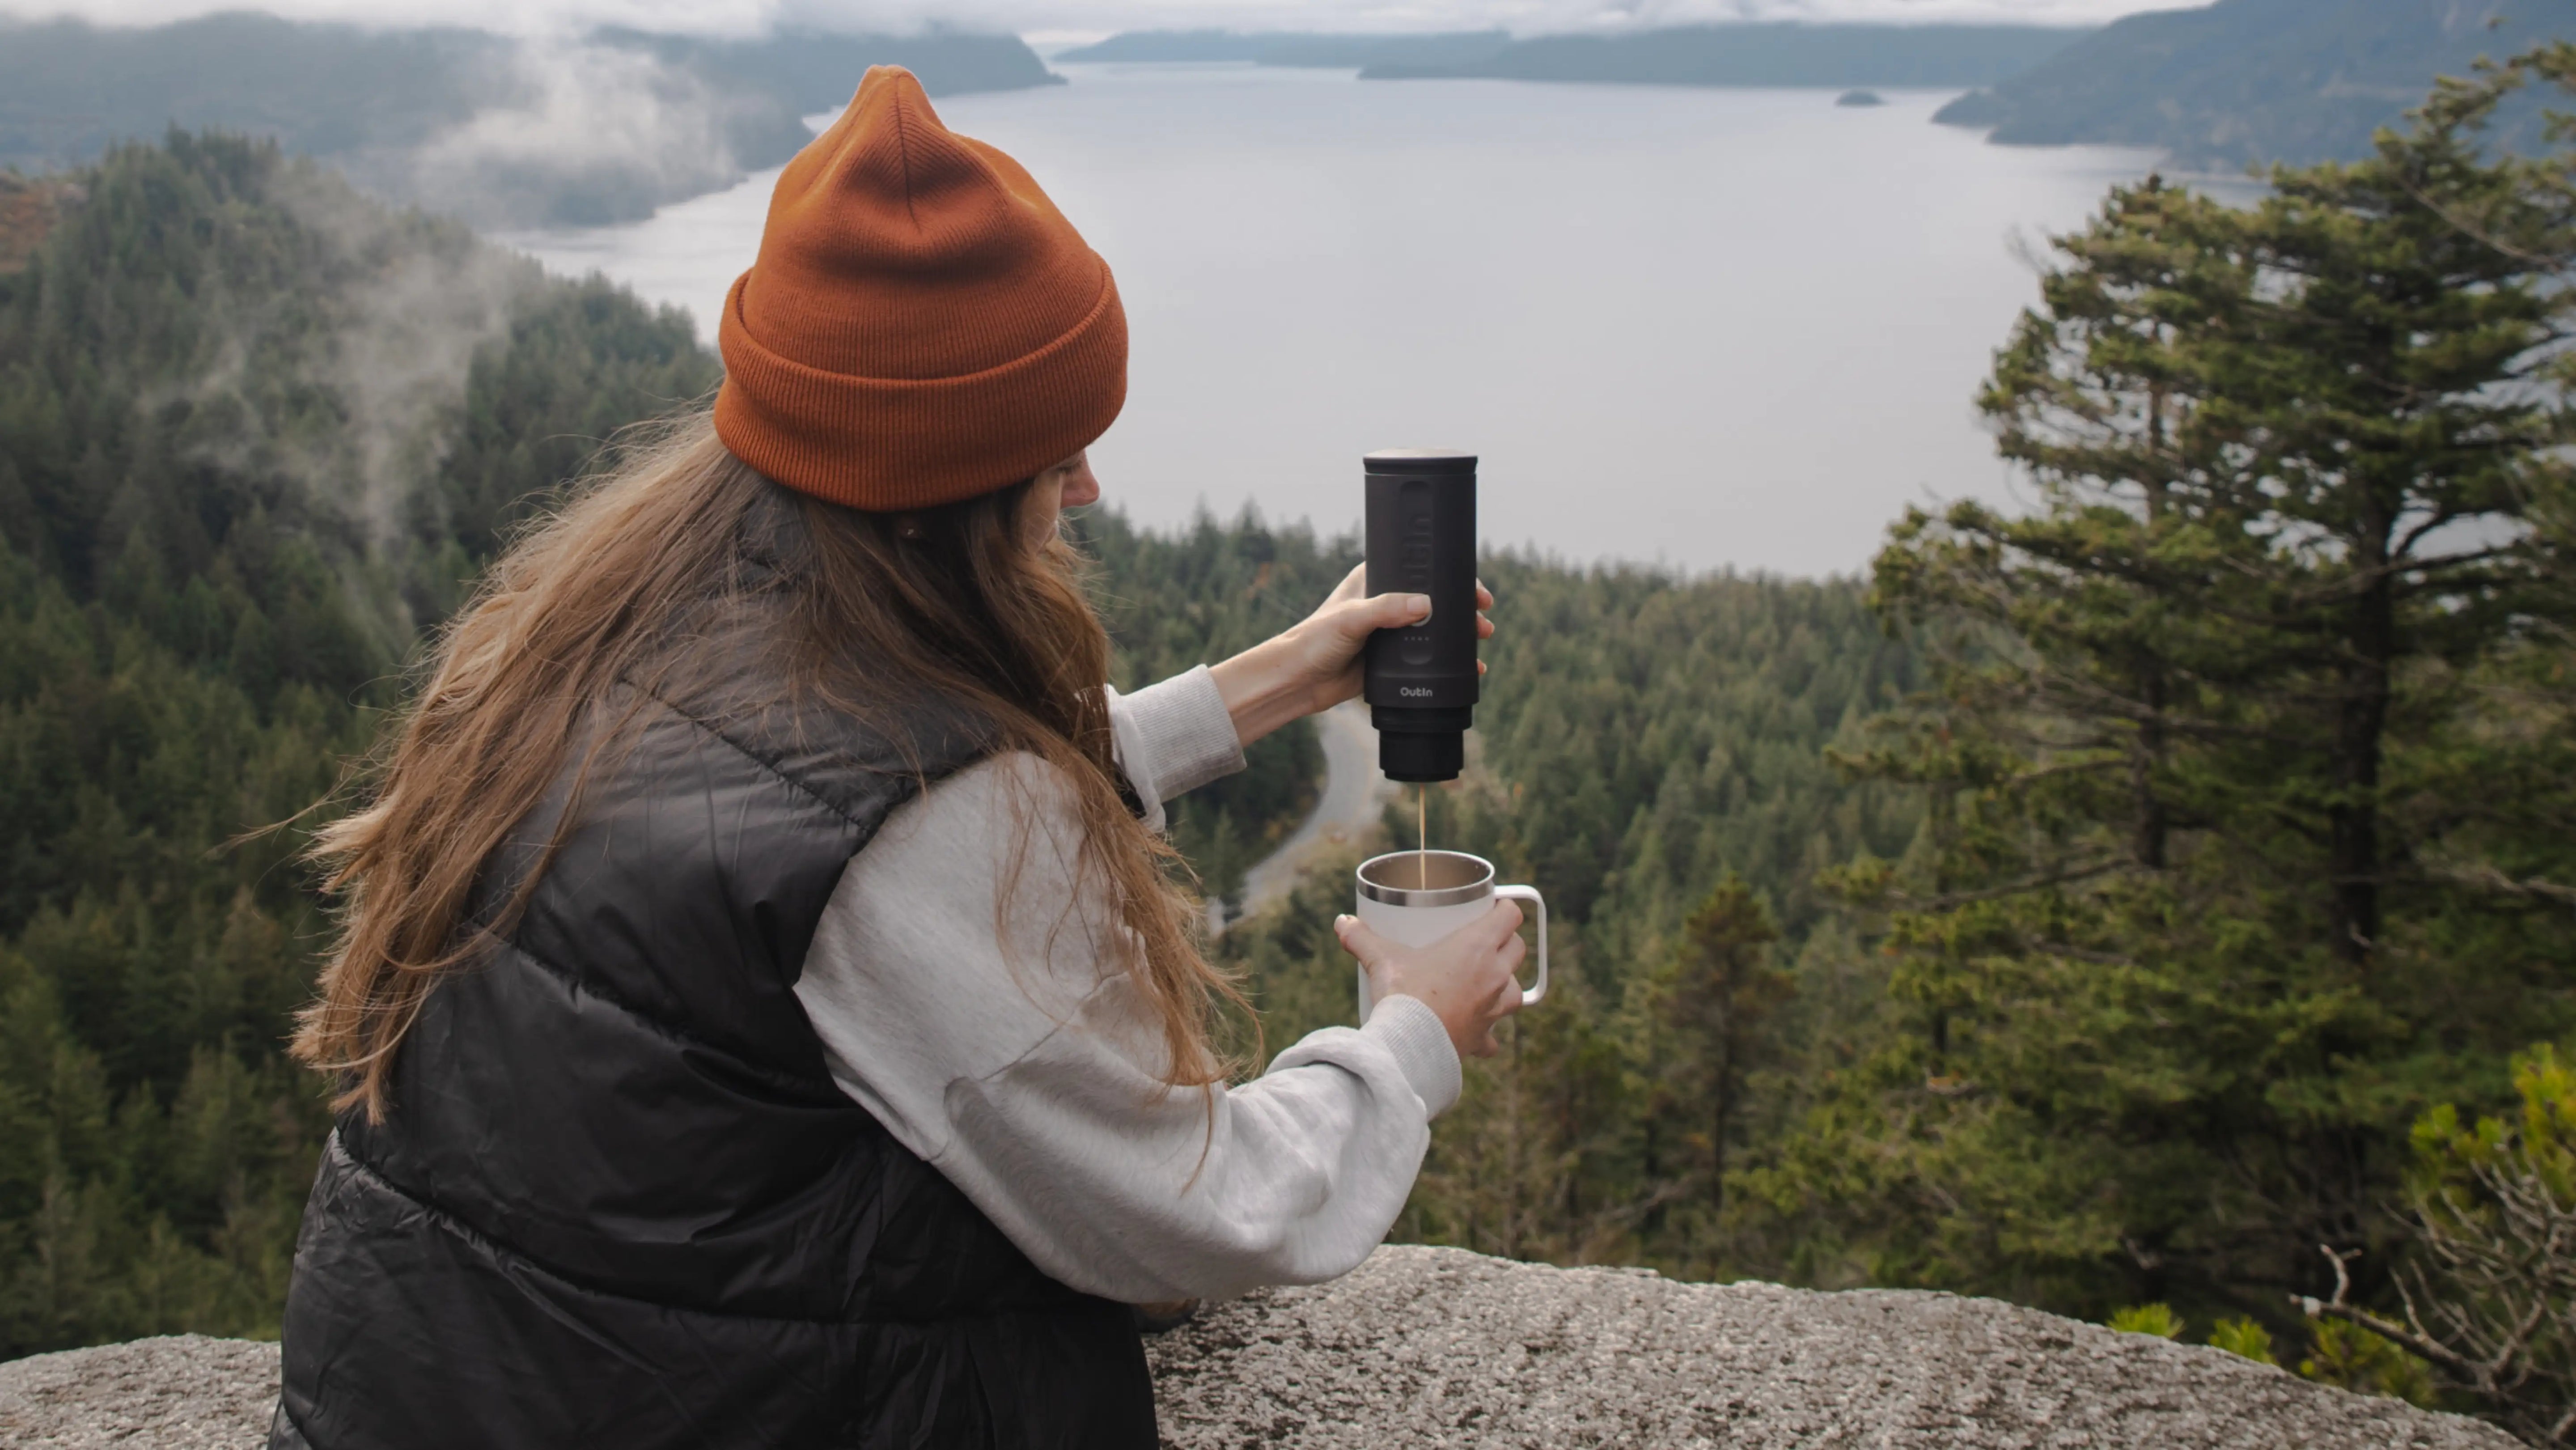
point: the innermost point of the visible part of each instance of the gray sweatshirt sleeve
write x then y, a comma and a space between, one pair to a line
968, 983
1173, 738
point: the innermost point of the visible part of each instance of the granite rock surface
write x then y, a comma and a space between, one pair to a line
1441, 1347
1437, 1347
184, 1392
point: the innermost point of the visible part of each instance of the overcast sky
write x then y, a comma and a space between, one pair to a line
1046, 20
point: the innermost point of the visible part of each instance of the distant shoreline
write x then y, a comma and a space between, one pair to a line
1742, 54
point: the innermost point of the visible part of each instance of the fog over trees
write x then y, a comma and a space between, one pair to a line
501, 130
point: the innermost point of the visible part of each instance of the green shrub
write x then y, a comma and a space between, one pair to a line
2245, 1337
2347, 1355
2156, 1319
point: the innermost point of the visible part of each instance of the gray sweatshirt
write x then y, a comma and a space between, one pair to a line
965, 986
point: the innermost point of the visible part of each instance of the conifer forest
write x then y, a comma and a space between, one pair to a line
2156, 903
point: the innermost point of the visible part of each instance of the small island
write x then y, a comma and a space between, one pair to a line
1859, 98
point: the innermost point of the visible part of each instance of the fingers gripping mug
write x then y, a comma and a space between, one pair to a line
1415, 898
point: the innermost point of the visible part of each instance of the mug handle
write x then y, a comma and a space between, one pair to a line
1530, 996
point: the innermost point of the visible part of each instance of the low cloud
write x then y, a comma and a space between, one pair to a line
591, 133
408, 332
404, 305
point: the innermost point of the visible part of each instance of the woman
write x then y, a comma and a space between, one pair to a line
763, 1013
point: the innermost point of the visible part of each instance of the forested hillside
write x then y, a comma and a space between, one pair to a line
2251, 82
1649, 747
256, 434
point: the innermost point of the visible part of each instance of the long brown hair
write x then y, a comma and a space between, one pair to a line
960, 604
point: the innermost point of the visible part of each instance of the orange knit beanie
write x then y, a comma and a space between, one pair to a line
922, 325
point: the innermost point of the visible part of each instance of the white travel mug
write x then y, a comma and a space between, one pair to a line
1415, 898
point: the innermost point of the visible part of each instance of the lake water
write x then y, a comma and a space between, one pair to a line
1704, 327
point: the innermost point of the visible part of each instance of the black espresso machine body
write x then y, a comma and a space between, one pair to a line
1420, 682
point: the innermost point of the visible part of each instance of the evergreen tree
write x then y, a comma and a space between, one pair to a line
2203, 913
1704, 1022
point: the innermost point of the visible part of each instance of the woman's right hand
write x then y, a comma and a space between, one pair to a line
1465, 978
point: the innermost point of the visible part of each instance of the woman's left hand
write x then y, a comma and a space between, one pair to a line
1316, 664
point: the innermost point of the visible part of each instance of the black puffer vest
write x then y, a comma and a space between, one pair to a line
617, 1200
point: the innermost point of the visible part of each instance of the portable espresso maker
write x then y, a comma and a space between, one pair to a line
1420, 682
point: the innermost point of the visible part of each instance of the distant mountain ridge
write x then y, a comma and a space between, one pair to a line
814, 70
1315, 49
503, 132
1763, 54
2251, 81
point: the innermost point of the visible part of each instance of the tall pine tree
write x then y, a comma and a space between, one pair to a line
2207, 904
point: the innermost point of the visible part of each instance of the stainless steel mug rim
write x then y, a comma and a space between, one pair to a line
1476, 890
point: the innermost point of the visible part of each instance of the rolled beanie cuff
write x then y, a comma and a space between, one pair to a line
905, 443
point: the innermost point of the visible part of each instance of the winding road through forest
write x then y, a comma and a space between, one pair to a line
1353, 799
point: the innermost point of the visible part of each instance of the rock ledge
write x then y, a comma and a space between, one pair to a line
1441, 1347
